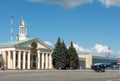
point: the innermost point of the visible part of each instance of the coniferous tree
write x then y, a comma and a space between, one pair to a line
63, 58
59, 55
56, 54
73, 57
63, 55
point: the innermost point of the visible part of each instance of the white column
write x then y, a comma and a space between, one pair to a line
42, 60
24, 59
14, 60
19, 59
28, 60
4, 55
9, 62
50, 61
46, 64
38, 60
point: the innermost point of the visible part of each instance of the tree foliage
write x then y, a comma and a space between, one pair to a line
63, 58
59, 55
73, 57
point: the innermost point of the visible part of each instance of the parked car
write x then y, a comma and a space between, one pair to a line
98, 67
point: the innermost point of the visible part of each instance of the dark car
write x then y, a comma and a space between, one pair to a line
98, 67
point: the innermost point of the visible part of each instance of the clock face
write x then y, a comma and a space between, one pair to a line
34, 45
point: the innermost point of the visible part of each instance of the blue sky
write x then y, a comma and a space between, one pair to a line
93, 25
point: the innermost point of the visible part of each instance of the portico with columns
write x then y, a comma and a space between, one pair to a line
25, 53
24, 58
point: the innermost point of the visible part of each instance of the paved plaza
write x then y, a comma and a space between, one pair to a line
50, 75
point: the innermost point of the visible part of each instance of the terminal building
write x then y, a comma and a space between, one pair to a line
86, 60
25, 53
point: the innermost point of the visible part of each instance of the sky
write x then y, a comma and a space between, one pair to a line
92, 25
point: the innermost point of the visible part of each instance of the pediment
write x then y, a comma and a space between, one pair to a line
34, 43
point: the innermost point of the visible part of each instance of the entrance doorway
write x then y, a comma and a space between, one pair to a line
33, 56
33, 59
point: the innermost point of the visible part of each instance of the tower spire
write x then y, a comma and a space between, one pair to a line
22, 30
22, 21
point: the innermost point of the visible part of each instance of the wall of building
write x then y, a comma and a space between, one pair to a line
102, 60
90, 60
82, 63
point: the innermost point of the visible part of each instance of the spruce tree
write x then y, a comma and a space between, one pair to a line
59, 55
56, 54
63, 58
63, 55
73, 57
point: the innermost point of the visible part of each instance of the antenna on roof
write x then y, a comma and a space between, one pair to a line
11, 36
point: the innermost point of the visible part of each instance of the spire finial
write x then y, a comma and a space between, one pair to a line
22, 22
22, 18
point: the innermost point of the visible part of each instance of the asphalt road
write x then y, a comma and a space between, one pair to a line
41, 75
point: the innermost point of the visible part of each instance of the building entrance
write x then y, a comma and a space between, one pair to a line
33, 57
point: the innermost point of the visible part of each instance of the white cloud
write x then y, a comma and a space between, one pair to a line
64, 3
98, 48
118, 52
109, 3
47, 42
102, 48
81, 49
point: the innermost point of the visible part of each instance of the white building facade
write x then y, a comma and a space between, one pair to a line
25, 53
